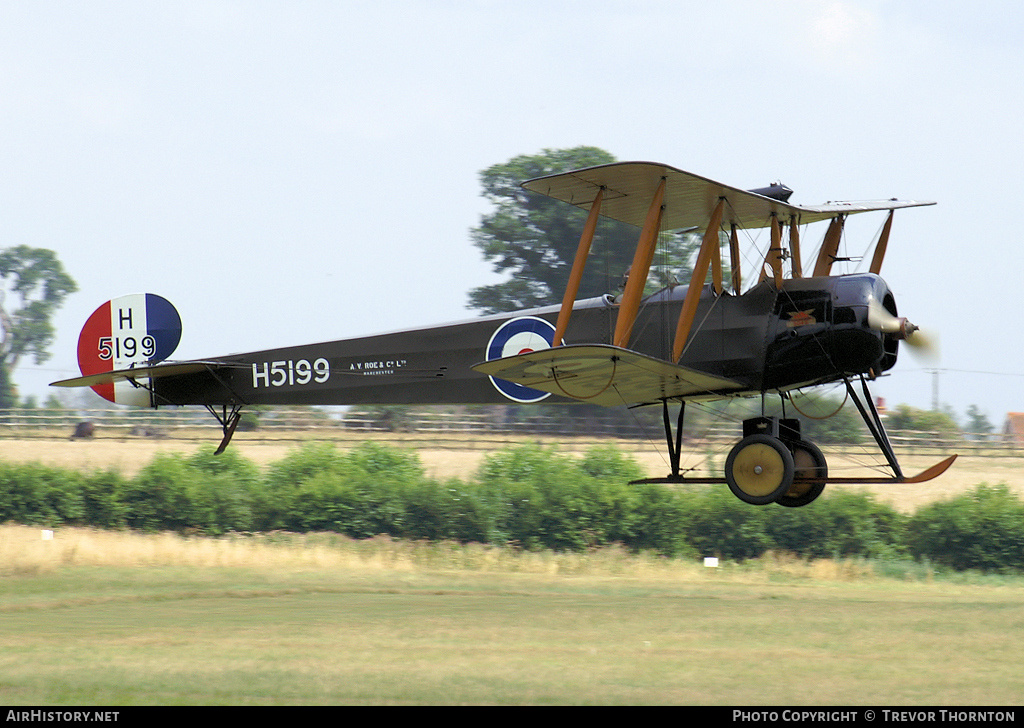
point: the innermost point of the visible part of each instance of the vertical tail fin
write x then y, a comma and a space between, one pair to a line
133, 330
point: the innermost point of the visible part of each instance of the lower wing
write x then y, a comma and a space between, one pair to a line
607, 375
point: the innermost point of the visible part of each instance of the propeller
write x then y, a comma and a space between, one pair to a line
880, 319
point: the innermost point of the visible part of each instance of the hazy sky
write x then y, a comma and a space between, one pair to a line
289, 172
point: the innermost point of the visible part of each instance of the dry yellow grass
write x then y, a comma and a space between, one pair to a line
129, 455
25, 551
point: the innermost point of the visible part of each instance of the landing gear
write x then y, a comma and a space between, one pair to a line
759, 469
810, 474
772, 464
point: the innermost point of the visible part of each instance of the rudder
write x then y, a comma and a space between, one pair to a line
128, 331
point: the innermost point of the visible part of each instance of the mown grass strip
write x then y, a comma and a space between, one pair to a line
122, 622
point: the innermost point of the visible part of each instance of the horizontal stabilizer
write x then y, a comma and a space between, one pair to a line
606, 375
689, 199
150, 372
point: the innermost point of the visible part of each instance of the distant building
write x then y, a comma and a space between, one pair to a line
1013, 430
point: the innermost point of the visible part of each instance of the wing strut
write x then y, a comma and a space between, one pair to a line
576, 275
794, 248
829, 247
880, 246
734, 259
638, 271
773, 259
716, 270
708, 248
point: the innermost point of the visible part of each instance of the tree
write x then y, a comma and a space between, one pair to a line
977, 421
533, 238
8, 397
905, 417
39, 286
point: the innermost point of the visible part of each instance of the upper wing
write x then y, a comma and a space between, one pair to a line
606, 375
689, 199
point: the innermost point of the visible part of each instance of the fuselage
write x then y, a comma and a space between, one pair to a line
808, 331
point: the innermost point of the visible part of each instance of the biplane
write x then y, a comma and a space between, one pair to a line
788, 330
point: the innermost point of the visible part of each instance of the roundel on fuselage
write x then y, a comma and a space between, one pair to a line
519, 336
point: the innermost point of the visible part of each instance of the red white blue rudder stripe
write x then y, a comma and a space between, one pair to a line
519, 336
133, 330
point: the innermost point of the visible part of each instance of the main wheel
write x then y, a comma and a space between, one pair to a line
811, 470
759, 469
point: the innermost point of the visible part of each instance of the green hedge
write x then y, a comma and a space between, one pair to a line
534, 497
982, 529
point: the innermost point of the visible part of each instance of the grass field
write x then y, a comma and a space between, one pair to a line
95, 618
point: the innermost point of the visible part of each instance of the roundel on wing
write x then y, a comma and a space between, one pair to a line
519, 336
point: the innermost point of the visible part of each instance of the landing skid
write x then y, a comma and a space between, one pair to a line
761, 467
923, 477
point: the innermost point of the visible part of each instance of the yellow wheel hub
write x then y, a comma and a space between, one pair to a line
758, 469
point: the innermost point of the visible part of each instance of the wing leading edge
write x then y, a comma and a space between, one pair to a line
606, 375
